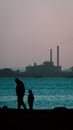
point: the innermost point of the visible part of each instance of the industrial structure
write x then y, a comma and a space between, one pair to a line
46, 69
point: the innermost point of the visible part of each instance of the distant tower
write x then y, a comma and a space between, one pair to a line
35, 64
57, 55
50, 55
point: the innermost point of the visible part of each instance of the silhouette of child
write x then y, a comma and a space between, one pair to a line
30, 99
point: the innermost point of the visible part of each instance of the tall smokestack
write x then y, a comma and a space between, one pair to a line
50, 55
57, 55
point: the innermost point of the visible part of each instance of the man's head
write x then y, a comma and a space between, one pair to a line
17, 80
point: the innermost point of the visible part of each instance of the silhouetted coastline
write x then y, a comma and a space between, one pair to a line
8, 72
59, 118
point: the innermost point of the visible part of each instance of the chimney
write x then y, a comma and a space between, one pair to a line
57, 55
50, 55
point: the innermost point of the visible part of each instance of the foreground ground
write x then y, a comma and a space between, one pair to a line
56, 119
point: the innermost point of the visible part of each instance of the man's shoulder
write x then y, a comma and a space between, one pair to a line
22, 84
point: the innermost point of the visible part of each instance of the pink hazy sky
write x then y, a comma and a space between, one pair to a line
30, 28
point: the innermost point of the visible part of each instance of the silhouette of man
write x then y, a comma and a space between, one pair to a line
30, 99
20, 91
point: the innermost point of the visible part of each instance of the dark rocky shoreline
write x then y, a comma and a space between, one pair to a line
58, 118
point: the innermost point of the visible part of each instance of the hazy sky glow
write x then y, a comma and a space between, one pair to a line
29, 28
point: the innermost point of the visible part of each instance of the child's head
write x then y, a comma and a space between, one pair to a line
30, 91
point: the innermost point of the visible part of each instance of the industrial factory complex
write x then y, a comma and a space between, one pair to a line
47, 69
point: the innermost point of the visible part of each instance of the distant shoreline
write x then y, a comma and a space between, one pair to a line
8, 72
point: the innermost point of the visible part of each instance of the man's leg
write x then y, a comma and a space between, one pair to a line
19, 103
23, 103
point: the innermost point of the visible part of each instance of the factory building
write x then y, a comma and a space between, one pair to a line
47, 68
